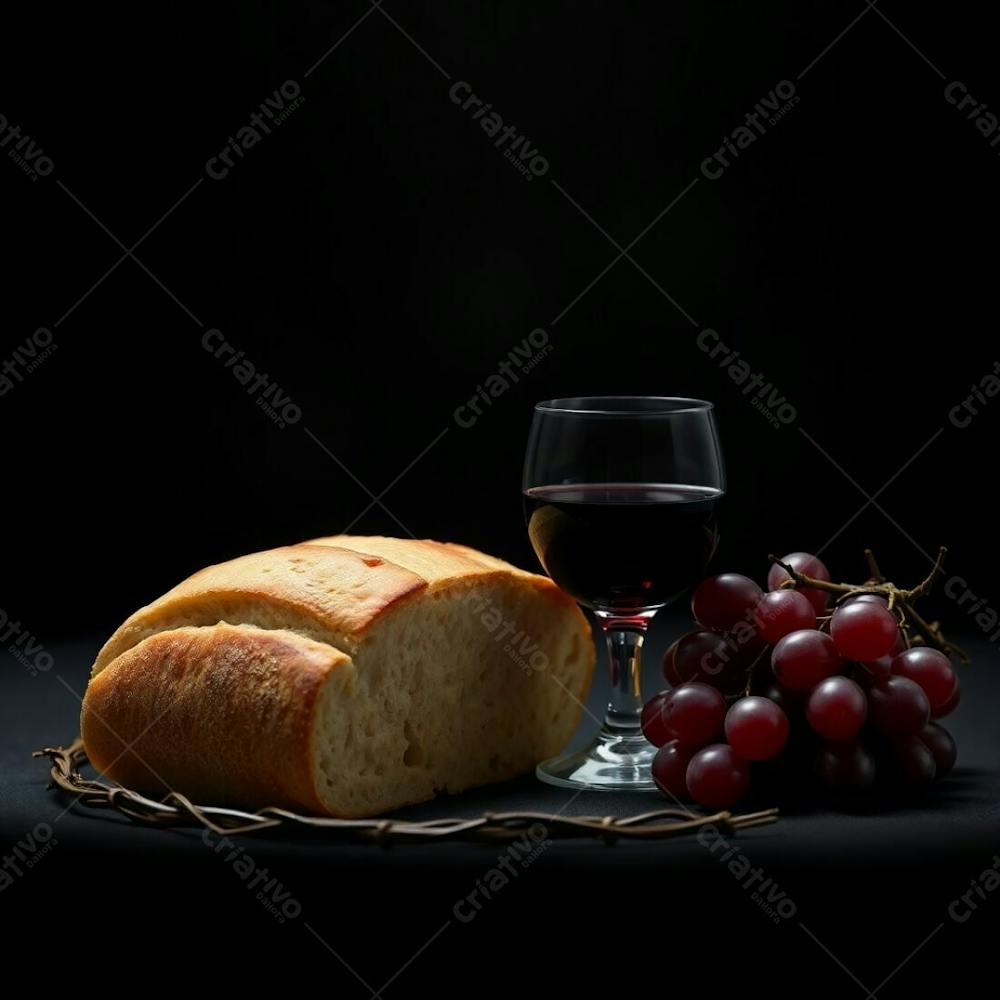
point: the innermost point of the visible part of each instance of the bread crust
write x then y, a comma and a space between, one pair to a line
336, 592
225, 713
332, 588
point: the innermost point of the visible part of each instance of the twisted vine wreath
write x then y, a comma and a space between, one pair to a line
176, 810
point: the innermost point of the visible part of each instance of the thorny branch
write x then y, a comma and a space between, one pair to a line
176, 810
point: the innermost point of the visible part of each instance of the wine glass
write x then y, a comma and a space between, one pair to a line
621, 498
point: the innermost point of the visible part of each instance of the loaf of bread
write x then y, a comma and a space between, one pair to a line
345, 676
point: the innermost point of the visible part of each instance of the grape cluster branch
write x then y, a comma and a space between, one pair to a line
899, 599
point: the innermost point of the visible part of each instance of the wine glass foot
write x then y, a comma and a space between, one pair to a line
612, 763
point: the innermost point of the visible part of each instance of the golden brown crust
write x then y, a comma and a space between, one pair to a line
225, 713
491, 562
316, 589
442, 564
437, 563
332, 589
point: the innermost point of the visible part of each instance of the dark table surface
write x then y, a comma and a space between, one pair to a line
869, 891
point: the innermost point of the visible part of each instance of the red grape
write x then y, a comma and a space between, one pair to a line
705, 656
718, 777
836, 709
747, 639
808, 565
898, 706
803, 658
693, 714
670, 770
939, 741
756, 728
863, 631
720, 602
669, 667
692, 654
781, 612
951, 704
913, 762
932, 670
651, 720
881, 667
849, 768
785, 698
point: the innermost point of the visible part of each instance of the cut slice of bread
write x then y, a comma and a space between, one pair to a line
347, 676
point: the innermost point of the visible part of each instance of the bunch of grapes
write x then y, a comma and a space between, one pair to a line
778, 684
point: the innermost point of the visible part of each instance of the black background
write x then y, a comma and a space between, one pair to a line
378, 257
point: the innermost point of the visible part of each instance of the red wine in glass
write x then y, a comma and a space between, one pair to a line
621, 498
623, 546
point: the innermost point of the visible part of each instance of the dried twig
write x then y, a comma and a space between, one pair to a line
176, 810
876, 573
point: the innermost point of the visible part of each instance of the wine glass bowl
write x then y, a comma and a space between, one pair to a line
621, 498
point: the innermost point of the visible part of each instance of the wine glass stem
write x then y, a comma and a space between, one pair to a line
625, 637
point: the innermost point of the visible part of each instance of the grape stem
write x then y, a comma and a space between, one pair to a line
925, 585
876, 573
899, 599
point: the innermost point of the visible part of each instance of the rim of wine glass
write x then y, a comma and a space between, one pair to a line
677, 404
